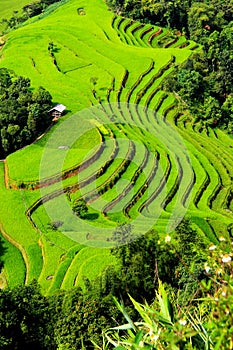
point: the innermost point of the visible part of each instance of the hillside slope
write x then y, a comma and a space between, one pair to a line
144, 162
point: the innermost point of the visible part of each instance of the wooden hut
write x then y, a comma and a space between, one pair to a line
57, 111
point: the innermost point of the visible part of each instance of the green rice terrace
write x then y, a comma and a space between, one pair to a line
124, 146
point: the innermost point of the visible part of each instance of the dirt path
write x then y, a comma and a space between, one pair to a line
3, 280
2, 41
6, 175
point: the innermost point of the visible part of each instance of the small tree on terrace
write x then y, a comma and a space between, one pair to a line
79, 208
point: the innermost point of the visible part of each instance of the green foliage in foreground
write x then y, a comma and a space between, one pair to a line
75, 319
64, 321
207, 324
161, 326
24, 319
146, 259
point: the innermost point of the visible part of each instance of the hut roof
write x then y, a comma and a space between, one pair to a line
59, 107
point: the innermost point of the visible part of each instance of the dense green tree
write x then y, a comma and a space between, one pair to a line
190, 248
204, 18
32, 9
205, 83
211, 111
188, 242
25, 317
82, 317
189, 84
5, 79
227, 112
23, 113
80, 208
141, 260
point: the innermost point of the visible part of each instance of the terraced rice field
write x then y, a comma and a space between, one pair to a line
123, 147
8, 9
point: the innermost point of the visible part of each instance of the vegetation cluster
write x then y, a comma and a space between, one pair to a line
204, 83
200, 323
23, 112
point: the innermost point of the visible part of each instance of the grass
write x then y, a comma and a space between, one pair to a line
94, 266
63, 267
8, 9
138, 35
24, 165
14, 221
53, 255
14, 266
88, 262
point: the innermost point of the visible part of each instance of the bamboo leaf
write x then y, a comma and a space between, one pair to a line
123, 327
124, 312
138, 337
164, 303
141, 310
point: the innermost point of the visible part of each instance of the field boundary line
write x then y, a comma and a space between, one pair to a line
6, 175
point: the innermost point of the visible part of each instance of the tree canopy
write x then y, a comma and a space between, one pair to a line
23, 112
